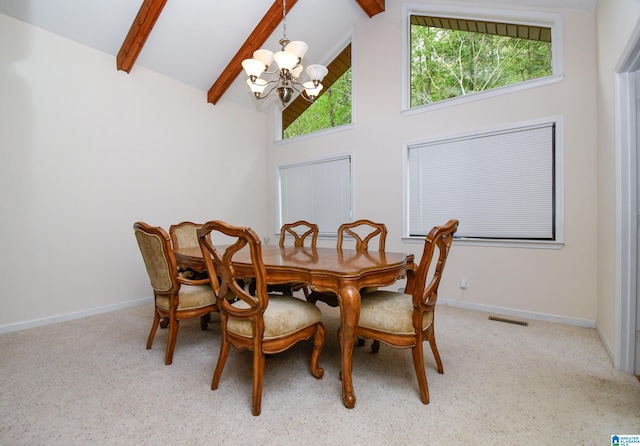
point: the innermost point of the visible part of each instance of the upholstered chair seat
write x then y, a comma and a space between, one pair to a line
190, 297
390, 312
283, 316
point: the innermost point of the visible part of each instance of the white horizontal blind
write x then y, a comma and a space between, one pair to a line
318, 192
500, 185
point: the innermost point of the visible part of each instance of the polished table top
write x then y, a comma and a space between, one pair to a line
343, 272
306, 264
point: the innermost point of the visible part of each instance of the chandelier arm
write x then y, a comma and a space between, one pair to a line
297, 84
302, 92
275, 71
263, 96
273, 81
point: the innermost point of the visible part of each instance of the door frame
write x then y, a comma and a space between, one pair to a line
626, 74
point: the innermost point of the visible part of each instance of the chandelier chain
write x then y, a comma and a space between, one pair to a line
284, 19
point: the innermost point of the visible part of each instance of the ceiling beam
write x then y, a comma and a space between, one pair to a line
256, 39
371, 7
138, 33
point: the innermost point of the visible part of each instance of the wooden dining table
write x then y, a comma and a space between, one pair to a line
343, 272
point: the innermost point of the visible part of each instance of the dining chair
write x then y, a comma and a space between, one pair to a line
262, 323
185, 235
362, 232
300, 230
176, 298
406, 320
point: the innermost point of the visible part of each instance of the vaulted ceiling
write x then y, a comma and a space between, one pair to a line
198, 42
202, 42
151, 10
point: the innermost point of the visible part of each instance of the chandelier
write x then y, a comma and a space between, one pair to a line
285, 79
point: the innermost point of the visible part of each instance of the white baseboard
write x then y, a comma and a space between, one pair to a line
70, 316
587, 323
609, 351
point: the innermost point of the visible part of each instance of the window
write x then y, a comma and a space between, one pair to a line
317, 191
331, 109
502, 185
453, 55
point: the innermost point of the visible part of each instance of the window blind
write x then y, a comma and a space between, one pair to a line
499, 185
318, 192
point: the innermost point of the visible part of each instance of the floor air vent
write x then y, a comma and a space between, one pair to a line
508, 321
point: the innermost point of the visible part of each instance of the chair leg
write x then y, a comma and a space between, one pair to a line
171, 343
222, 359
204, 321
318, 343
436, 354
375, 346
418, 364
258, 377
154, 327
164, 322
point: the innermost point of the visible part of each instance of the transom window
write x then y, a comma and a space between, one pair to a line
332, 108
453, 55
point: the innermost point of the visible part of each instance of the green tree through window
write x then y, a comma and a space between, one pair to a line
332, 109
447, 61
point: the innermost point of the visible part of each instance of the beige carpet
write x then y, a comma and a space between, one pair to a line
91, 381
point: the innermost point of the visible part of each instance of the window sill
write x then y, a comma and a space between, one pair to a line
508, 89
497, 243
317, 133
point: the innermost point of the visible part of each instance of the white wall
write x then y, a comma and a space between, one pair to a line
552, 284
85, 151
616, 22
